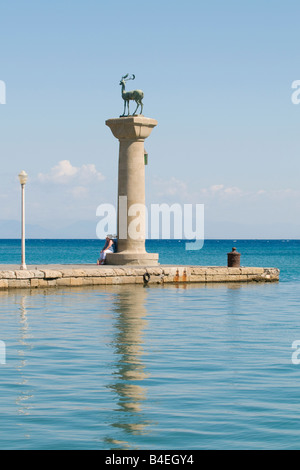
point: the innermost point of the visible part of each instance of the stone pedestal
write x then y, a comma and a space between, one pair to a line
131, 132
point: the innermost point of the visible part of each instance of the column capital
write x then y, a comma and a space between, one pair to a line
136, 128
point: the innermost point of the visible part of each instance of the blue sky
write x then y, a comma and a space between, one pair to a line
216, 75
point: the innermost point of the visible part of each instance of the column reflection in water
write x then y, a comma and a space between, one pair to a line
22, 401
129, 369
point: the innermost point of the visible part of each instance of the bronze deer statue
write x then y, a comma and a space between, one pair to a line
135, 95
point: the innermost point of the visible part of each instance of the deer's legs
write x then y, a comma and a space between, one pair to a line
136, 108
124, 109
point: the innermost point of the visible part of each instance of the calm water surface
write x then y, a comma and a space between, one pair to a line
164, 367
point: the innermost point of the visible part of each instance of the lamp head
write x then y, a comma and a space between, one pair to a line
23, 177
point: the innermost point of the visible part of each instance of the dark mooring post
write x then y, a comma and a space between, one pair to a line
234, 259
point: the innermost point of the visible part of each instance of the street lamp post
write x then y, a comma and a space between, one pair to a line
23, 180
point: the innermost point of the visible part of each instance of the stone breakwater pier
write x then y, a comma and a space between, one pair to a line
55, 276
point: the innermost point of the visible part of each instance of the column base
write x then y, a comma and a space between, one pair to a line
137, 259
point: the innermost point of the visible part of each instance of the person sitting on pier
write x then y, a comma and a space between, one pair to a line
109, 247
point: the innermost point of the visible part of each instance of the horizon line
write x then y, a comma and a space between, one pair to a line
156, 239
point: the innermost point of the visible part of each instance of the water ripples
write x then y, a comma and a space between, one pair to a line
189, 367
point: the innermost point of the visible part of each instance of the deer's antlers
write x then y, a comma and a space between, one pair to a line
130, 78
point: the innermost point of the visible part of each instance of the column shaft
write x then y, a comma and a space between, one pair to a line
132, 225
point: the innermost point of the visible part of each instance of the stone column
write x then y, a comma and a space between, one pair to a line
131, 132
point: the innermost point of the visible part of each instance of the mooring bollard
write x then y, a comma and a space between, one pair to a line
234, 259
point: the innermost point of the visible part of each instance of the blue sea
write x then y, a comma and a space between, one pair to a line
152, 368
